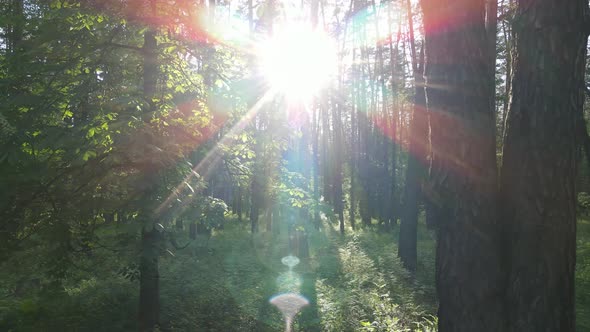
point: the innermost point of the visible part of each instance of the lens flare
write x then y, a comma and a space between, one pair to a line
291, 261
289, 304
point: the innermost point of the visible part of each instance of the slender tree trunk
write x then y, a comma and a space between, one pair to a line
326, 157
408, 232
314, 13
353, 143
539, 164
251, 16
239, 203
583, 136
363, 122
463, 166
316, 165
383, 192
492, 31
507, 38
149, 280
16, 30
256, 186
508, 45
338, 159
149, 292
394, 204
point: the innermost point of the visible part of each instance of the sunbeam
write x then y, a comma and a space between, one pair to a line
204, 166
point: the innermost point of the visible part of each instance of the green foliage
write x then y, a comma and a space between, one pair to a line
207, 211
583, 275
371, 299
583, 202
224, 287
91, 297
87, 159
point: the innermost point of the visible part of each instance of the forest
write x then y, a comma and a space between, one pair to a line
281, 165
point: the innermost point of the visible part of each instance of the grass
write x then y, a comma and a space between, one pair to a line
353, 283
583, 275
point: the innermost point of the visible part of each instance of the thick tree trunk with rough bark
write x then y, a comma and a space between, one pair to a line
463, 166
539, 164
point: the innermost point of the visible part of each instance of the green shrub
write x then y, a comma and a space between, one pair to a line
584, 202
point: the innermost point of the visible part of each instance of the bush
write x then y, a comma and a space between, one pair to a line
370, 295
584, 202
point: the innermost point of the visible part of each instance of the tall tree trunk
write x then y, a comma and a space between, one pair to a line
418, 137
363, 138
508, 46
583, 136
240, 203
539, 164
383, 194
316, 164
149, 279
326, 155
338, 159
394, 204
463, 166
251, 16
149, 292
353, 142
16, 30
492, 31
256, 187
315, 135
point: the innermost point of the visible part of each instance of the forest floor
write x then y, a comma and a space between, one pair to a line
353, 283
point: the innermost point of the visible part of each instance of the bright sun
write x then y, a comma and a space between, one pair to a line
298, 61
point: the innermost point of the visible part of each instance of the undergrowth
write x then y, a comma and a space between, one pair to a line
373, 292
583, 276
353, 283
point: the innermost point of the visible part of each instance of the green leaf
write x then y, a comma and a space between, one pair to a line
88, 155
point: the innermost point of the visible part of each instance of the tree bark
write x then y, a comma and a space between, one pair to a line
15, 32
255, 192
363, 137
353, 144
463, 166
492, 31
508, 46
338, 160
418, 137
149, 293
315, 166
394, 204
539, 164
149, 280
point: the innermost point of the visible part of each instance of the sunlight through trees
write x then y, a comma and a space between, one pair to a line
416, 165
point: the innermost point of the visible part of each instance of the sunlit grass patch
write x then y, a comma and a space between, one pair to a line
370, 295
